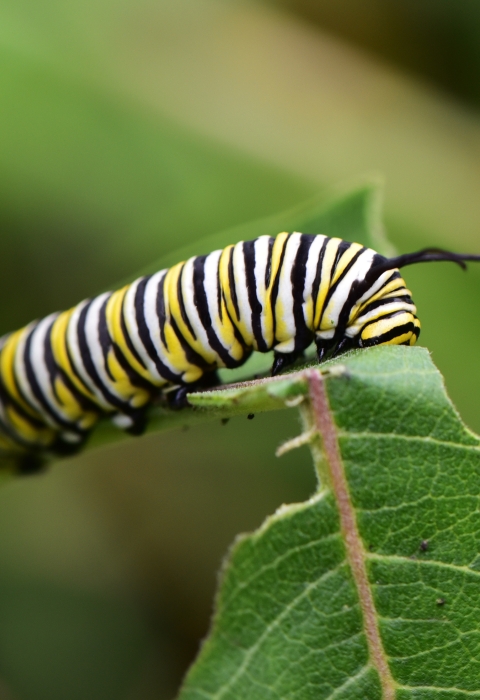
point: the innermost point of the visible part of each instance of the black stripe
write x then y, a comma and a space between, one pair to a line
394, 333
107, 345
35, 386
353, 295
181, 303
89, 364
161, 312
7, 428
74, 368
219, 291
276, 282
104, 336
231, 282
133, 377
126, 336
238, 336
22, 394
303, 335
342, 248
318, 274
55, 371
255, 305
144, 334
192, 355
7, 398
200, 299
405, 299
357, 291
347, 268
372, 276
268, 267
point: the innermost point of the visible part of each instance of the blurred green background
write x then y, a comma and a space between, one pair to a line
128, 130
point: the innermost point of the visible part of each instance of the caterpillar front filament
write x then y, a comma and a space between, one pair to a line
115, 353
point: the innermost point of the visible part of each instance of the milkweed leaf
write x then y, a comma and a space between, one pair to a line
292, 619
354, 214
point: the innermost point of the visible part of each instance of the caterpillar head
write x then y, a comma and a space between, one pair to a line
386, 314
400, 328
383, 312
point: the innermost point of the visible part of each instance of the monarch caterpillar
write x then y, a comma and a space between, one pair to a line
114, 353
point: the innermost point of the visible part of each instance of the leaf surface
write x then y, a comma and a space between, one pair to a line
290, 620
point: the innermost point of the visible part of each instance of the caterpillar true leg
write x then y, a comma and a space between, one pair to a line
283, 360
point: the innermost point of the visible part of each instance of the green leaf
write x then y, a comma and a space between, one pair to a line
294, 618
354, 215
93, 184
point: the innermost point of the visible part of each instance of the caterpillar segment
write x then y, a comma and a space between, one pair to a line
114, 354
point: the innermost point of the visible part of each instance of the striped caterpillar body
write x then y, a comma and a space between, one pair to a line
114, 354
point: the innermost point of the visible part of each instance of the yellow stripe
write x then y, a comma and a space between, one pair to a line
173, 349
384, 325
225, 280
114, 312
242, 327
346, 257
228, 309
7, 369
325, 279
271, 314
399, 339
171, 291
392, 286
72, 408
30, 433
136, 396
58, 339
391, 289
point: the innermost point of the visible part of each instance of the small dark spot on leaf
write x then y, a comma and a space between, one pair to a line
423, 545
440, 602
413, 557
224, 421
251, 416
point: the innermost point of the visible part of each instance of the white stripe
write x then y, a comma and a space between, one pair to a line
262, 246
20, 368
93, 341
356, 273
188, 293
39, 365
211, 290
152, 320
377, 285
285, 296
131, 323
73, 346
379, 313
310, 274
241, 290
